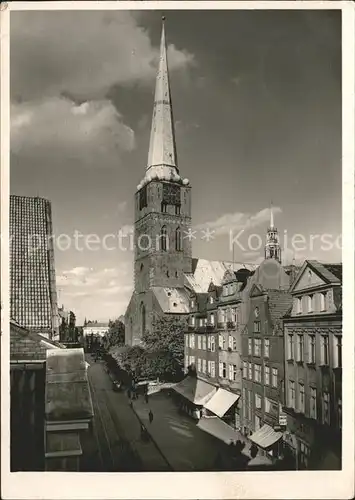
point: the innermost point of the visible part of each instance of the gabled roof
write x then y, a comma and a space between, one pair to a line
279, 303
329, 273
172, 300
205, 271
29, 346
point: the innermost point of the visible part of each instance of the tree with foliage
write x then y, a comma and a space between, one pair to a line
165, 343
115, 335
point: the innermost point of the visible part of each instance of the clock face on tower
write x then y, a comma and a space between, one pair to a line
171, 194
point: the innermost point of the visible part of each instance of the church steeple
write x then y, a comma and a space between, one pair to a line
162, 157
272, 245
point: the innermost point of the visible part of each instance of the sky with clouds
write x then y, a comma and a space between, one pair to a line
257, 109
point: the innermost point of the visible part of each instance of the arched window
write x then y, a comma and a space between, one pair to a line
163, 238
143, 318
178, 242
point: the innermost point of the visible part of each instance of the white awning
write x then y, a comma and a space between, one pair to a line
221, 402
195, 390
265, 436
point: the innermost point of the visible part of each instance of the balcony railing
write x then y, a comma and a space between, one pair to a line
231, 324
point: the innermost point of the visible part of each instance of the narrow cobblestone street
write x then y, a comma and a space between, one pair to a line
115, 443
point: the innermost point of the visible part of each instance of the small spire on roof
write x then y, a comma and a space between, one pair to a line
271, 216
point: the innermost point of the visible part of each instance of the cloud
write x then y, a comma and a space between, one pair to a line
237, 220
56, 130
85, 290
82, 53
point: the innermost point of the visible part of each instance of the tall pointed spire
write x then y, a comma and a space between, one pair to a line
162, 147
271, 217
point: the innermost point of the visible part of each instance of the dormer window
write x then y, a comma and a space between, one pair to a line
322, 301
177, 209
192, 303
211, 300
192, 320
299, 305
310, 303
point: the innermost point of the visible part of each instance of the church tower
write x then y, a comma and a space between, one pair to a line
272, 246
162, 200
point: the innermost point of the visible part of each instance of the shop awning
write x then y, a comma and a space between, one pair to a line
195, 390
265, 436
219, 429
221, 402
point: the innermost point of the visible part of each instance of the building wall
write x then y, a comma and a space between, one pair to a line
33, 296
270, 388
153, 266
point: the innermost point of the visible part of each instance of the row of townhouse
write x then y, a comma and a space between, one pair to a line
265, 363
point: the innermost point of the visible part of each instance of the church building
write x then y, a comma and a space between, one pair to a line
165, 274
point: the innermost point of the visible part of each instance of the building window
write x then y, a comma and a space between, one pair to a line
220, 341
245, 369
337, 351
311, 349
232, 372
257, 401
230, 342
213, 371
212, 321
143, 319
267, 375
313, 403
192, 341
204, 366
223, 370
257, 373
257, 347
301, 398
199, 342
256, 326
213, 346
208, 343
257, 423
192, 360
250, 371
326, 409
163, 238
322, 301
204, 343
178, 240
300, 348
304, 455
198, 364
299, 305
177, 209
269, 406
291, 394
211, 300
310, 303
340, 417
244, 404
234, 315
324, 350
187, 340
249, 405
250, 347
234, 343
274, 377
192, 303
290, 347
164, 207
186, 362
266, 348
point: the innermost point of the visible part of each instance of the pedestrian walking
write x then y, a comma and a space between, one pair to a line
129, 393
151, 416
146, 397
